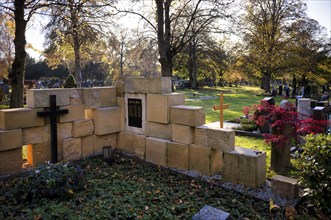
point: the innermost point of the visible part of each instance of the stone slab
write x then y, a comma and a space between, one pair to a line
156, 151
187, 115
124, 141
158, 106
160, 85
158, 130
64, 130
106, 120
10, 139
39, 98
11, 161
178, 155
75, 112
87, 146
16, 118
72, 148
211, 136
101, 141
119, 87
99, 97
211, 213
75, 96
139, 145
244, 166
36, 135
206, 161
39, 153
121, 104
182, 134
81, 128
285, 186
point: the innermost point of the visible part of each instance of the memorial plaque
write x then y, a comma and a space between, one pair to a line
135, 113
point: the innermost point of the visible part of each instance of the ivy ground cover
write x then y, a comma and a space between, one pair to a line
128, 189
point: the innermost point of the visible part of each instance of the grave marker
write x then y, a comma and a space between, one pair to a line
221, 107
135, 113
53, 112
208, 212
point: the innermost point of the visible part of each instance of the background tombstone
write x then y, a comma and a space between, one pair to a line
320, 113
304, 107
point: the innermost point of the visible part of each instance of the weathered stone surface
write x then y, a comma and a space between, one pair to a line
285, 186
121, 104
10, 139
206, 161
160, 85
245, 166
187, 115
39, 153
87, 146
106, 120
75, 112
39, 98
101, 141
72, 148
182, 134
99, 97
211, 213
82, 128
124, 141
178, 155
119, 87
158, 130
158, 106
75, 96
139, 145
20, 118
136, 130
156, 151
64, 130
210, 136
304, 107
36, 135
11, 161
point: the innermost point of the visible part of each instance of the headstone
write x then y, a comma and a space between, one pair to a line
285, 186
268, 101
320, 114
284, 103
322, 103
211, 213
304, 107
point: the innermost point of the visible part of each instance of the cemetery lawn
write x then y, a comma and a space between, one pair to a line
128, 189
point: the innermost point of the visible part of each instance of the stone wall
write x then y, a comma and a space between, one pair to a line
171, 133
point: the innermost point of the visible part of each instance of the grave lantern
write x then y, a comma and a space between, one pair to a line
107, 153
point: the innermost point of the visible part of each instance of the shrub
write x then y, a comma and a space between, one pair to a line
55, 180
248, 124
70, 82
315, 170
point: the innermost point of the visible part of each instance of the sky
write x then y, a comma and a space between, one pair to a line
320, 10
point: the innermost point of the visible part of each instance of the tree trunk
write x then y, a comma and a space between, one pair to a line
75, 35
193, 65
16, 77
266, 82
294, 85
281, 153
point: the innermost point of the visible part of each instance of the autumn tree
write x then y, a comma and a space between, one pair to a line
7, 29
266, 26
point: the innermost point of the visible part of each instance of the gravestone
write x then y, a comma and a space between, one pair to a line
304, 107
211, 213
320, 114
284, 103
267, 101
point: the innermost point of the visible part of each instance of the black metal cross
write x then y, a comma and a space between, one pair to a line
53, 112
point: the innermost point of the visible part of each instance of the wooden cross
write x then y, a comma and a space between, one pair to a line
53, 112
221, 107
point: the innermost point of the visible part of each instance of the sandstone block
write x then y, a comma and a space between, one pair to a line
210, 136
206, 161
178, 155
82, 128
156, 151
245, 166
11, 161
158, 106
161, 85
285, 186
125, 141
39, 153
39, 98
75, 96
64, 130
75, 112
119, 88
36, 135
158, 130
106, 120
99, 97
182, 134
20, 118
87, 146
10, 139
101, 141
121, 104
72, 148
139, 145
187, 115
